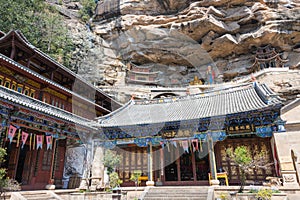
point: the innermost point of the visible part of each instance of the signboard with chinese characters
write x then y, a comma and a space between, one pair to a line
244, 128
170, 134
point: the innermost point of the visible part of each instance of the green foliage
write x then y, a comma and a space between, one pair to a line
264, 194
240, 155
253, 190
87, 10
135, 176
111, 160
114, 180
224, 196
6, 184
3, 180
41, 24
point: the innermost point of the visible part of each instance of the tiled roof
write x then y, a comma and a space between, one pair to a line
39, 52
48, 80
41, 107
243, 98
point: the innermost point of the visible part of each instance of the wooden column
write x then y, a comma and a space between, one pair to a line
178, 164
52, 168
194, 166
212, 159
162, 165
150, 181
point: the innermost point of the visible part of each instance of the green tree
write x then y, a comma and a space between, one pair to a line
111, 160
41, 24
114, 180
6, 184
87, 10
3, 180
242, 157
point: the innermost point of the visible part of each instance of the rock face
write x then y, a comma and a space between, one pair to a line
192, 34
181, 38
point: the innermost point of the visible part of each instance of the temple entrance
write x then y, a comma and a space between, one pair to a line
185, 166
21, 162
15, 162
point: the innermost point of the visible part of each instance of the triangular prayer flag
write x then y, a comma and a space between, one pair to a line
11, 133
185, 145
162, 145
24, 138
168, 146
49, 141
195, 144
174, 143
39, 141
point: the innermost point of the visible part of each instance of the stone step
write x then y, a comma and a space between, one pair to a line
176, 193
181, 189
293, 196
38, 196
175, 198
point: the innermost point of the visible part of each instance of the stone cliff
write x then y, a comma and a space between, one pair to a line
179, 39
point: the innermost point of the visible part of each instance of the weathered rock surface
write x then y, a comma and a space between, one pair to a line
227, 31
180, 38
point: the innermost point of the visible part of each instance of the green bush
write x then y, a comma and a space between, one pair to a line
87, 10
114, 180
264, 194
111, 160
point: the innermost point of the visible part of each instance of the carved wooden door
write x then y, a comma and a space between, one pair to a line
254, 145
13, 153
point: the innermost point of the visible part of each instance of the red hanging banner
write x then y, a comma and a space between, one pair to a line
39, 141
24, 138
11, 133
49, 142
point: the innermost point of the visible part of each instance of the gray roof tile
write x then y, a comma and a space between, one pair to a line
233, 100
34, 104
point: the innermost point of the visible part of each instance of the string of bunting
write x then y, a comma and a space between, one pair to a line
36, 141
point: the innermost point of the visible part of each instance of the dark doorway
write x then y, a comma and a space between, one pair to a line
171, 172
21, 161
202, 166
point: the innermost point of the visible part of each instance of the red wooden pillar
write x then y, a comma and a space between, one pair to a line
52, 170
178, 164
162, 165
194, 167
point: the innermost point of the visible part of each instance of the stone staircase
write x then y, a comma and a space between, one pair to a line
178, 193
35, 195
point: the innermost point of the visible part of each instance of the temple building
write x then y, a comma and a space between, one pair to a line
141, 75
266, 57
183, 140
44, 108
